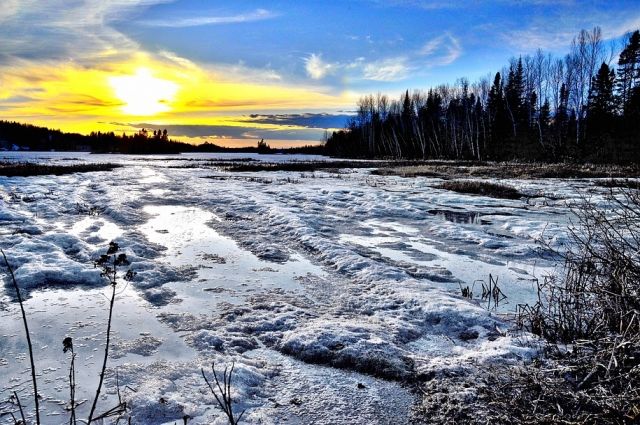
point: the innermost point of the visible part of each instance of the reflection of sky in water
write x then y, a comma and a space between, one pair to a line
226, 272
92, 226
82, 314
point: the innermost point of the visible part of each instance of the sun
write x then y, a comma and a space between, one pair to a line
142, 93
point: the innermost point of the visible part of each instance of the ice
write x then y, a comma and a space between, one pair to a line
327, 290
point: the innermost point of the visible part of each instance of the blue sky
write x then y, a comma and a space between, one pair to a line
373, 45
313, 56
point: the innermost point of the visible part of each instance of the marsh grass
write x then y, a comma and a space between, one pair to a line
619, 183
589, 316
587, 320
28, 169
475, 187
308, 166
507, 170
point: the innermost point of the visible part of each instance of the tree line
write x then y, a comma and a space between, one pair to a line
145, 141
539, 107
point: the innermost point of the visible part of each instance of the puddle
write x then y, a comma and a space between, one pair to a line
82, 315
95, 227
225, 272
461, 217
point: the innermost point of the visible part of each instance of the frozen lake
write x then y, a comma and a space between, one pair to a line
329, 290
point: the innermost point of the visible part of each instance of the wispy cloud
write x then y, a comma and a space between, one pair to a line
439, 4
555, 31
630, 24
442, 50
53, 24
392, 69
256, 15
8, 9
384, 70
422, 4
317, 68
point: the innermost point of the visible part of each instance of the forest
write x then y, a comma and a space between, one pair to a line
580, 107
19, 136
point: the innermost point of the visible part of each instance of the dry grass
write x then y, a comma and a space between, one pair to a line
27, 169
620, 183
509, 170
588, 319
592, 313
306, 166
474, 187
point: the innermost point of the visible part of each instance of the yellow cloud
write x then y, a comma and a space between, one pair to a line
163, 88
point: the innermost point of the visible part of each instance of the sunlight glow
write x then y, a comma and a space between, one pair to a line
142, 93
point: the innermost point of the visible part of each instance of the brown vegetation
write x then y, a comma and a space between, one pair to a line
27, 169
474, 187
589, 368
510, 170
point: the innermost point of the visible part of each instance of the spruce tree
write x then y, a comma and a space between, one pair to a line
602, 102
629, 70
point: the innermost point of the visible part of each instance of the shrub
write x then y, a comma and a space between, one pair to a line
591, 314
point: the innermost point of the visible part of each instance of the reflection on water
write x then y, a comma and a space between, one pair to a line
82, 315
96, 227
225, 272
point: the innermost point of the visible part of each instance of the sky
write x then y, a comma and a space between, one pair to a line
232, 72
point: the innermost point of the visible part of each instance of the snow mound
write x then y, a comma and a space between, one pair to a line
347, 347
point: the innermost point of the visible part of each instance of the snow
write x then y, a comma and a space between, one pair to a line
327, 290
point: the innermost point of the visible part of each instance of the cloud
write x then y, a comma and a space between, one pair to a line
256, 15
442, 50
392, 69
54, 27
422, 4
247, 131
533, 38
309, 120
316, 68
438, 4
555, 31
630, 24
389, 69
8, 9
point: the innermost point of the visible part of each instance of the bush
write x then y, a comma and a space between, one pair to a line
591, 315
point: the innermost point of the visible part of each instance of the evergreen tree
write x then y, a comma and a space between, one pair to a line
629, 69
545, 115
514, 95
497, 112
602, 102
601, 112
